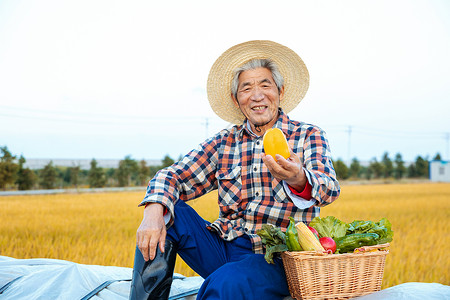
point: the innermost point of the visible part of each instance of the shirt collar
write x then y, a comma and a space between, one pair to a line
283, 122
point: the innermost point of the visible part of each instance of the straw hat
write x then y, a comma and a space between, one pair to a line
290, 65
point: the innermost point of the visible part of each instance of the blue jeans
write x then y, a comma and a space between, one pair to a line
231, 269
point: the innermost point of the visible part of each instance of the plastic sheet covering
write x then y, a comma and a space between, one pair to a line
409, 291
412, 291
60, 279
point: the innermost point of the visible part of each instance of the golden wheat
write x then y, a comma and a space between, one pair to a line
100, 228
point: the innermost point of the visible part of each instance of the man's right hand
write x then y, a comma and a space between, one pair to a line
152, 231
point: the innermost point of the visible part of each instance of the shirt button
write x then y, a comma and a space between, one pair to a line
255, 169
245, 229
257, 143
249, 210
256, 194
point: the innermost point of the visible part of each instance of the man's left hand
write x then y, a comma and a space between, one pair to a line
290, 170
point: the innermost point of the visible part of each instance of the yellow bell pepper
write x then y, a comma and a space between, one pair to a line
275, 142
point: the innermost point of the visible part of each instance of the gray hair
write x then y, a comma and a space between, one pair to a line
254, 64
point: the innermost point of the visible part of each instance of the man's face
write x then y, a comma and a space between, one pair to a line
258, 98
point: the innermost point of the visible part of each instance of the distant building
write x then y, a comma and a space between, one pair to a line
440, 170
85, 164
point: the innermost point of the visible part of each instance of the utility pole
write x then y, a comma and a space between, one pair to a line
206, 127
447, 137
349, 144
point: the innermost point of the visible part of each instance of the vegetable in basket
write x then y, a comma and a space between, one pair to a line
307, 239
382, 228
274, 240
356, 234
314, 231
328, 244
329, 227
292, 237
352, 241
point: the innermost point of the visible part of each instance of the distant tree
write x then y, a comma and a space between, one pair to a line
388, 167
127, 171
341, 169
111, 176
66, 176
153, 170
8, 168
399, 170
355, 168
421, 167
143, 173
437, 157
366, 172
96, 176
74, 175
48, 176
59, 182
110, 172
166, 162
25, 177
411, 171
376, 168
83, 177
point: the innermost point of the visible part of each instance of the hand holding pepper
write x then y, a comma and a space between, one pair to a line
290, 170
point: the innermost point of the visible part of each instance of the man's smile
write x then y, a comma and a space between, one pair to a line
259, 108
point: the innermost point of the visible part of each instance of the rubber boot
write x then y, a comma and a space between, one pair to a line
152, 279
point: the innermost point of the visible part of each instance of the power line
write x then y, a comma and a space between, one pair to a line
392, 134
18, 112
107, 120
389, 131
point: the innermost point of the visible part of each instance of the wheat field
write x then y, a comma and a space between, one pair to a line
99, 228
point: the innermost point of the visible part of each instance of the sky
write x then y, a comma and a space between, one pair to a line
105, 79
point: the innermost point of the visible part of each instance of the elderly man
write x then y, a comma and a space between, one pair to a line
253, 85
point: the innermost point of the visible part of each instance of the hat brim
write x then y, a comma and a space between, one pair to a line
290, 65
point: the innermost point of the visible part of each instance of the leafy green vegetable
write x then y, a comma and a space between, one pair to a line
329, 227
387, 234
382, 228
273, 239
359, 226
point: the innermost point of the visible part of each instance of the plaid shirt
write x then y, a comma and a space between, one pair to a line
249, 196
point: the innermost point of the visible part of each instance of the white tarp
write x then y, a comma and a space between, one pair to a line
59, 279
412, 291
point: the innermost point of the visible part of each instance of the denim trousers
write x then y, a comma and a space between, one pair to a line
230, 268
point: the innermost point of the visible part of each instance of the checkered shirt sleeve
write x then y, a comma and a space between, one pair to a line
191, 177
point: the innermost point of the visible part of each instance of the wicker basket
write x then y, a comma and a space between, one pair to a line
312, 275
